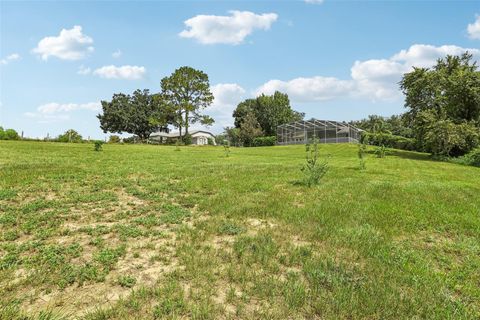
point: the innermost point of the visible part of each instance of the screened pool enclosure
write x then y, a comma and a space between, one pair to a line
326, 131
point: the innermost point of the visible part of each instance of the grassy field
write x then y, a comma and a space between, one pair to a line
147, 232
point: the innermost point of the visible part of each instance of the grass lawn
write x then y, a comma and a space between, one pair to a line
147, 232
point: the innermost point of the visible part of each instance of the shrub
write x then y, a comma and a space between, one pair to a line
389, 141
210, 142
313, 169
114, 139
381, 151
98, 145
473, 158
8, 134
264, 141
187, 139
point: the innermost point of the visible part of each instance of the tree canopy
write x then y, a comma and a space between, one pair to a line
141, 113
70, 136
187, 93
269, 111
443, 105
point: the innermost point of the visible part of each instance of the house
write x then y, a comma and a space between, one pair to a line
199, 137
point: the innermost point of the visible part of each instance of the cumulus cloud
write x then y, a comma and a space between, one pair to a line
54, 112
308, 89
227, 96
314, 1
70, 44
10, 58
54, 107
123, 72
473, 29
376, 79
232, 29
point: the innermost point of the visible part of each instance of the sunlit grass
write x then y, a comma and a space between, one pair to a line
139, 231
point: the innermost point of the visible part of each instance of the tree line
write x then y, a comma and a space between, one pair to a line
443, 110
183, 97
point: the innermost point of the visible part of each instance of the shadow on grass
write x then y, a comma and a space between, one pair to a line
411, 155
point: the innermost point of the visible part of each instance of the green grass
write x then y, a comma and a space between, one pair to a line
139, 231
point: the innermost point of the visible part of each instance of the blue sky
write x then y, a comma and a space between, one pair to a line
338, 60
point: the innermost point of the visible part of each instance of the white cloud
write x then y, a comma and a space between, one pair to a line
123, 72
232, 29
422, 55
55, 112
375, 79
308, 89
10, 58
70, 44
46, 118
227, 96
473, 29
117, 54
54, 107
314, 1
84, 70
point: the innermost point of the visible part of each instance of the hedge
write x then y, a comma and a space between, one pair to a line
264, 141
389, 140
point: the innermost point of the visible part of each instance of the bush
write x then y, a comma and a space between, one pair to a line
210, 142
473, 158
187, 139
8, 134
264, 141
389, 141
98, 145
114, 139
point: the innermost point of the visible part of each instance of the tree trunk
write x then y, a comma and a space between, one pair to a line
186, 122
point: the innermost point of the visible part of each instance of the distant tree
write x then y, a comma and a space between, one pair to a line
70, 136
9, 134
233, 135
187, 92
141, 114
269, 111
221, 139
249, 130
114, 139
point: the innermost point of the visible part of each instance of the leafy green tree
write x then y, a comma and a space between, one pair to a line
269, 111
249, 130
141, 114
10, 134
452, 87
444, 105
233, 135
187, 92
70, 136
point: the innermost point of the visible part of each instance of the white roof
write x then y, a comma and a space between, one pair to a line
176, 133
